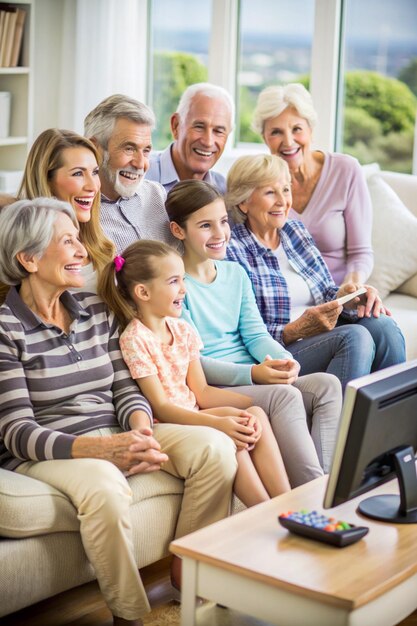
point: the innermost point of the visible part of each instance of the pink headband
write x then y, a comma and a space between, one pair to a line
119, 261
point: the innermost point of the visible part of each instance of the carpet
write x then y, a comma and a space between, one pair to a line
164, 615
208, 614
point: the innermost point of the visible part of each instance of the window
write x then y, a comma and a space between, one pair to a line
275, 48
380, 82
282, 41
180, 32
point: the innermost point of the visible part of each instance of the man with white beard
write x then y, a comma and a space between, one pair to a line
131, 207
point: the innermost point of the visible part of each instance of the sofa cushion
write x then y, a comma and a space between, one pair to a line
29, 507
409, 288
155, 484
394, 236
404, 312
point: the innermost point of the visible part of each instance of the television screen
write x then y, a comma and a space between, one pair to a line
377, 440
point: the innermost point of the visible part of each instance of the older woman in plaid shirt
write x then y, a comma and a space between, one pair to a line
294, 290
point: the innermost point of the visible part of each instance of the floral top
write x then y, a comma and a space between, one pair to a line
145, 355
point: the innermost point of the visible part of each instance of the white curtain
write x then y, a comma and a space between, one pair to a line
104, 49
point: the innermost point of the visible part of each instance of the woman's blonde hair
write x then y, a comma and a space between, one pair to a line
273, 100
247, 174
137, 264
44, 158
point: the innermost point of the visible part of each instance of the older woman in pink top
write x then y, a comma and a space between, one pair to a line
329, 190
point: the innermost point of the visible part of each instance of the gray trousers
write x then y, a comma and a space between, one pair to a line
304, 417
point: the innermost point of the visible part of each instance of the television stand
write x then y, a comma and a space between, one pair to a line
400, 509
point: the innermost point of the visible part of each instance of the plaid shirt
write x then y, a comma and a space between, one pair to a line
269, 284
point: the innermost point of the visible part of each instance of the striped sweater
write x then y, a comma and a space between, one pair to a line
55, 386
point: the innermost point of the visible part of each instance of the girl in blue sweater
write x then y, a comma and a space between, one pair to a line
220, 303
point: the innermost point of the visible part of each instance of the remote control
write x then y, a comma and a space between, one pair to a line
350, 296
317, 526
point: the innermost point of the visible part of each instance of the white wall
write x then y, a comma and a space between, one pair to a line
86, 50
48, 34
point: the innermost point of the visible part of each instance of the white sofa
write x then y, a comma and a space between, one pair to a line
41, 553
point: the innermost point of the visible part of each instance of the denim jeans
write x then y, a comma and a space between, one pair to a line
352, 349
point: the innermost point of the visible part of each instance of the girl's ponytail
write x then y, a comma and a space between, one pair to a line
119, 277
112, 291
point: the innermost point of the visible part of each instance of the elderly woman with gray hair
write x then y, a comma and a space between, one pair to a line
329, 191
296, 295
70, 414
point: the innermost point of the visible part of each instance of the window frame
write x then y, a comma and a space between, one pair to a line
326, 52
326, 78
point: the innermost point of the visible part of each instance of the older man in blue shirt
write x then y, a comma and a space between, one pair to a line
200, 128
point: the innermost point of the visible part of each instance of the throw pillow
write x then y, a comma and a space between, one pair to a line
409, 288
394, 236
369, 169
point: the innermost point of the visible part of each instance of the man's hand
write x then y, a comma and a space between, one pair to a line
275, 371
133, 452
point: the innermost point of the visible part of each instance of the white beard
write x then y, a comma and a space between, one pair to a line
113, 176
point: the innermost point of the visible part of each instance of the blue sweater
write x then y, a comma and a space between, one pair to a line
227, 318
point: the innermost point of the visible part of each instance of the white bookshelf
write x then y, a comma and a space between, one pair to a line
18, 81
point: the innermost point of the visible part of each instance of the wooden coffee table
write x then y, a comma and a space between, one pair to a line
249, 563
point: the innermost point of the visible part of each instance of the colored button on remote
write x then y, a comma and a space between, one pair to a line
320, 527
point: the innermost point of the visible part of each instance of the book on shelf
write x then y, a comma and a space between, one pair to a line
2, 16
8, 39
5, 10
12, 21
5, 33
18, 37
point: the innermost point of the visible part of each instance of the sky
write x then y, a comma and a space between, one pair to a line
396, 18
